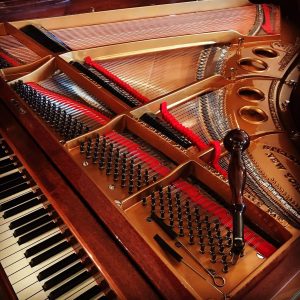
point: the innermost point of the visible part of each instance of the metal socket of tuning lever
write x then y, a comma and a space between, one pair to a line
236, 142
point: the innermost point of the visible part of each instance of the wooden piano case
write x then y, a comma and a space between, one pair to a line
138, 172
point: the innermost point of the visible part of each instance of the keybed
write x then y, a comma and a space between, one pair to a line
39, 255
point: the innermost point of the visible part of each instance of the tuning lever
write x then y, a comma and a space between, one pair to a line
236, 142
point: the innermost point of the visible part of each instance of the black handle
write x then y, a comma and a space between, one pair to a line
166, 228
236, 142
167, 248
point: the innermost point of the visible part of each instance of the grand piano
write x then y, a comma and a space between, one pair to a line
149, 150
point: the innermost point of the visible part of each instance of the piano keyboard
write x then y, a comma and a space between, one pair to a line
37, 252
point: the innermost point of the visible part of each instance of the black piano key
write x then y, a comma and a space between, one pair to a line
17, 201
69, 285
12, 183
43, 245
49, 253
30, 217
92, 292
22, 207
3, 151
10, 177
32, 225
16, 189
5, 162
62, 276
8, 168
57, 266
35, 233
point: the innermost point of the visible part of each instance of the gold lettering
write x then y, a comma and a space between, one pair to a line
293, 181
276, 161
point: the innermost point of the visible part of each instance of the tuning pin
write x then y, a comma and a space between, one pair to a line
191, 237
88, 148
221, 249
200, 232
213, 258
95, 158
138, 183
171, 218
130, 187
229, 243
82, 147
224, 258
153, 202
108, 168
162, 211
202, 248
181, 232
169, 193
228, 235
146, 177
123, 180
225, 268
144, 201
197, 213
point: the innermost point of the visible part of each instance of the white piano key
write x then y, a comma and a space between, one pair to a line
20, 250
7, 156
41, 295
13, 241
19, 275
70, 292
12, 267
51, 260
29, 291
11, 172
24, 283
23, 263
5, 235
77, 291
5, 222
7, 243
61, 270
28, 190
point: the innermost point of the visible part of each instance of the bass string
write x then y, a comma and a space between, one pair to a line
240, 19
12, 46
62, 84
157, 74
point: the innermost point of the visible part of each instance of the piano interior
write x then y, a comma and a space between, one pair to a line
117, 177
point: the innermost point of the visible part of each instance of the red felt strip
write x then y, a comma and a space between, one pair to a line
9, 59
189, 134
96, 116
216, 157
128, 88
267, 26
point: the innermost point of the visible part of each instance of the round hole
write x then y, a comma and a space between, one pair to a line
253, 64
251, 94
265, 52
253, 115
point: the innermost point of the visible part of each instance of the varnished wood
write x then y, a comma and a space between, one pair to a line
97, 205
110, 259
15, 10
